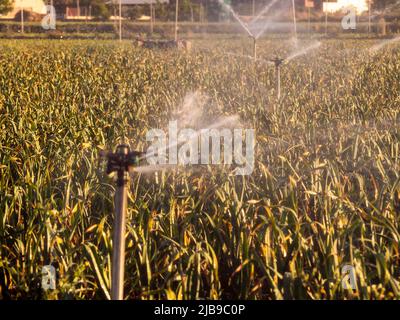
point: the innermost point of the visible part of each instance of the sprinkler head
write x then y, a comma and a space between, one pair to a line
277, 61
123, 159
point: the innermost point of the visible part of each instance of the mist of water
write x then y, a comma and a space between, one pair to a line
154, 168
228, 8
263, 11
374, 49
303, 51
222, 123
190, 113
251, 28
264, 28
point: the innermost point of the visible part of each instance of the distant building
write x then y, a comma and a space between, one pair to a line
78, 13
136, 2
339, 5
32, 6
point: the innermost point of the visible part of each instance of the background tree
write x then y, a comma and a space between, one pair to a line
61, 5
135, 12
5, 6
382, 4
99, 9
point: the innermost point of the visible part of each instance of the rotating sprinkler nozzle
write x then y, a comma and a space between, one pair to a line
123, 159
278, 62
121, 162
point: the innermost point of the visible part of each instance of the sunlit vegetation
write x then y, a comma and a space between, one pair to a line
325, 191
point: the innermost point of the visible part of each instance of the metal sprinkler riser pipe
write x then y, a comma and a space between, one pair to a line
278, 62
278, 81
118, 255
121, 162
254, 48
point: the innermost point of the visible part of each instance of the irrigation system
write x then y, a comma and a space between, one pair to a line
121, 162
247, 27
278, 62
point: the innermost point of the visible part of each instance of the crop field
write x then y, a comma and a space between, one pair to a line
324, 192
